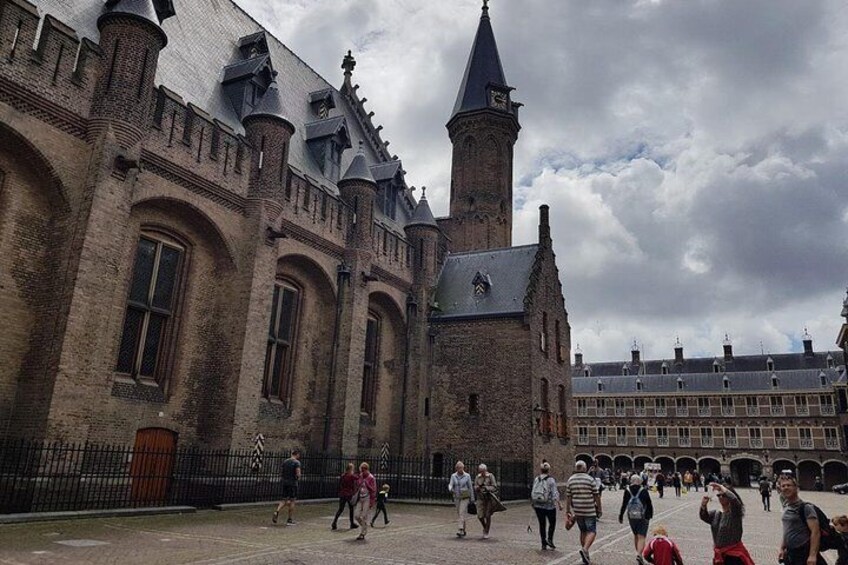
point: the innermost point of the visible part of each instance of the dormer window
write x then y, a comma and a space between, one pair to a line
587, 372
823, 379
390, 186
322, 101
664, 368
716, 366
246, 80
725, 383
770, 365
775, 382
639, 386
679, 383
482, 284
625, 370
829, 361
600, 386
327, 139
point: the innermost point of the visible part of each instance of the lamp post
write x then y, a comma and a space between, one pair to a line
537, 417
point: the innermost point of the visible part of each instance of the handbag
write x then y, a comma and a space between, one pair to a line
569, 521
472, 509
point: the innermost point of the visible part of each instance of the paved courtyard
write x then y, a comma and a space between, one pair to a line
416, 535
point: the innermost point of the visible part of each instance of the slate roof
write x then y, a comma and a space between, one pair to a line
740, 363
272, 104
484, 68
793, 380
423, 216
324, 128
143, 9
241, 69
358, 170
509, 270
203, 38
386, 171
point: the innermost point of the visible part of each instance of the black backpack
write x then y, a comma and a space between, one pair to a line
830, 538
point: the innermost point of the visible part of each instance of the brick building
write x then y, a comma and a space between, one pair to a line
202, 239
738, 415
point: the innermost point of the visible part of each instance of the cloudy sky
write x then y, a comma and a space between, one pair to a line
694, 153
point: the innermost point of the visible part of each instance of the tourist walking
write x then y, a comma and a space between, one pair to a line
623, 480
462, 488
696, 480
840, 524
366, 497
291, 470
545, 497
819, 485
801, 528
659, 480
486, 494
675, 481
765, 493
382, 496
583, 502
636, 504
687, 481
347, 489
662, 550
726, 526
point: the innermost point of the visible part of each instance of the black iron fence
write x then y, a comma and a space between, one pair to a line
52, 477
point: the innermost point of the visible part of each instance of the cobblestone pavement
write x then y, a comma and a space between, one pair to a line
416, 535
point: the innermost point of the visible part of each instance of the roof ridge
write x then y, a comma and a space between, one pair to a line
497, 250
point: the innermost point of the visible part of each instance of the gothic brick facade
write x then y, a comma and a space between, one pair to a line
201, 234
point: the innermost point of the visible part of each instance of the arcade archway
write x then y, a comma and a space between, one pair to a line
745, 472
709, 466
666, 464
622, 463
686, 464
835, 473
640, 461
807, 473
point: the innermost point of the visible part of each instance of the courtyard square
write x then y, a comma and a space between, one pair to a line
416, 535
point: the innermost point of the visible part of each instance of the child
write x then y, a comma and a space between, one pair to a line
381, 505
840, 524
661, 550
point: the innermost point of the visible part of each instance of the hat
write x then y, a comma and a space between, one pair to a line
635, 480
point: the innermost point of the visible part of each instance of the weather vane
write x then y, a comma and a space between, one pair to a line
485, 4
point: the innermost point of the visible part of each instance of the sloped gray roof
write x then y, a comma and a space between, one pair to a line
324, 128
271, 105
240, 69
509, 271
358, 170
142, 9
386, 171
422, 216
792, 380
203, 39
484, 68
739, 363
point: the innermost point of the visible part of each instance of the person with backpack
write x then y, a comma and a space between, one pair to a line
765, 493
840, 526
636, 503
545, 497
726, 526
662, 550
805, 528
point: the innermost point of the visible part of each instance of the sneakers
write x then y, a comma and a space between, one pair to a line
360, 537
486, 535
584, 555
290, 522
460, 533
274, 517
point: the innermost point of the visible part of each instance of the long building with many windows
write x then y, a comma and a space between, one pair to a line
742, 416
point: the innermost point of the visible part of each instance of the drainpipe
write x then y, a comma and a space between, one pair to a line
411, 311
342, 282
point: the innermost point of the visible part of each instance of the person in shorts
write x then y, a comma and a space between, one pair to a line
291, 475
583, 502
639, 526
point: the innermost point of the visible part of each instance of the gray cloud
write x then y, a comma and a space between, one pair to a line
693, 153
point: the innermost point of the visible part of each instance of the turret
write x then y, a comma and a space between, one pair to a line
423, 234
269, 131
359, 190
728, 348
483, 130
131, 39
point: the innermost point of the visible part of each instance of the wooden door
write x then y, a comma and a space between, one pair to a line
152, 466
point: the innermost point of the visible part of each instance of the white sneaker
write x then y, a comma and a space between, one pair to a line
485, 536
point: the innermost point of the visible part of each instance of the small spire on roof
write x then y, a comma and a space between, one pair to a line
348, 64
423, 192
727, 340
485, 7
807, 336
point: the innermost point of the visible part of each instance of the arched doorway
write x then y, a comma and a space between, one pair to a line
781, 465
708, 466
686, 464
605, 461
807, 473
835, 473
640, 461
745, 471
622, 463
586, 458
667, 464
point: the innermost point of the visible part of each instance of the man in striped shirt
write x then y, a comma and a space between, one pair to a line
583, 502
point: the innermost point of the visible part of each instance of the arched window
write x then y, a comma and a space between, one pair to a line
563, 407
546, 406
369, 369
543, 337
151, 306
282, 331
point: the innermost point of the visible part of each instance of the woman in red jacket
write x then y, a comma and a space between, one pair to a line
347, 488
366, 497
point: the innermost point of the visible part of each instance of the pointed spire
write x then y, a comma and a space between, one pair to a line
423, 216
348, 64
358, 169
137, 9
484, 69
271, 105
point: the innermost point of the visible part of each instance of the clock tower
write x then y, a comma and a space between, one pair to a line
483, 130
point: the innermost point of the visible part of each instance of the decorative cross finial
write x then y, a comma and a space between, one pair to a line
348, 63
423, 192
485, 8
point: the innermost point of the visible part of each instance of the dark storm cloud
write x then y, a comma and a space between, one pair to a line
693, 153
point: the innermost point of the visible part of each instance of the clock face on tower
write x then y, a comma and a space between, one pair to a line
498, 99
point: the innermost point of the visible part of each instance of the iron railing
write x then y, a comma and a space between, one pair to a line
51, 477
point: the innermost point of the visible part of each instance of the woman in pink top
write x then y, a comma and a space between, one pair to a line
366, 497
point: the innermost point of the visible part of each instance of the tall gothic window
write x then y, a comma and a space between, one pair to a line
282, 331
545, 401
150, 306
369, 370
